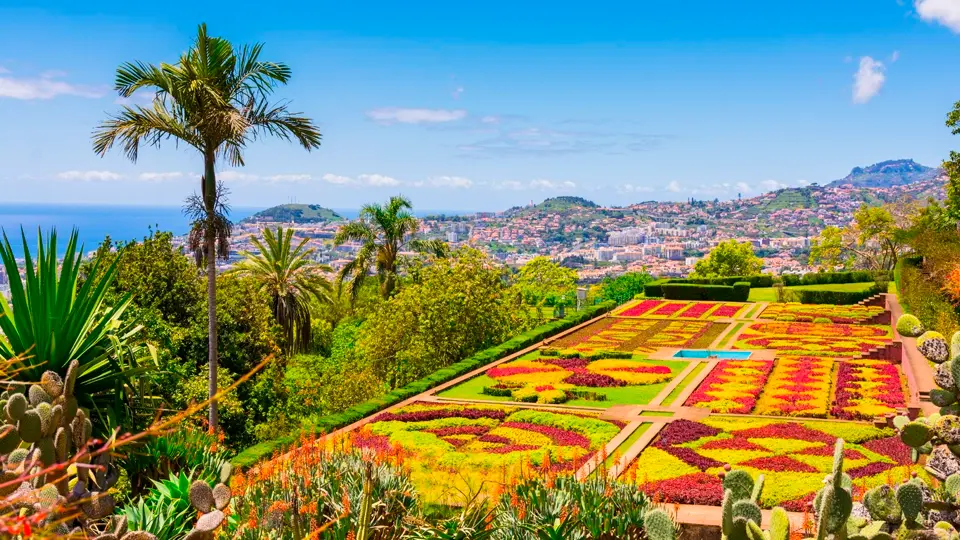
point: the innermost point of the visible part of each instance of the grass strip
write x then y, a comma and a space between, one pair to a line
726, 339
622, 449
687, 380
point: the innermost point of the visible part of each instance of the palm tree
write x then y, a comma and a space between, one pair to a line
216, 100
383, 233
291, 279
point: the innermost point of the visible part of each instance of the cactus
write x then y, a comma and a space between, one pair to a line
955, 345
779, 524
881, 502
942, 398
834, 502
916, 434
658, 525
900, 420
909, 326
740, 483
933, 346
952, 484
910, 499
943, 375
947, 429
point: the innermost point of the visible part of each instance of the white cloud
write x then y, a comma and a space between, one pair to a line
894, 56
457, 92
490, 119
90, 176
394, 115
772, 185
289, 178
868, 80
743, 186
44, 87
4, 70
446, 182
160, 176
369, 180
632, 188
508, 184
945, 12
377, 180
236, 176
550, 185
674, 187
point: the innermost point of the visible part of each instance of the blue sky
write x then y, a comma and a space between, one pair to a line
482, 106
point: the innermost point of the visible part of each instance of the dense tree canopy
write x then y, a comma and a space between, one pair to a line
543, 279
730, 258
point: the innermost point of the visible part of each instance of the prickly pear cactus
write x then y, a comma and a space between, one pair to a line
210, 502
910, 499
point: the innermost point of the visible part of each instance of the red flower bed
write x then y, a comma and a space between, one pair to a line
434, 414
640, 309
695, 311
727, 311
669, 309
715, 392
699, 488
683, 431
560, 437
799, 505
731, 444
893, 448
786, 430
593, 380
506, 449
779, 464
507, 371
870, 469
459, 430
856, 396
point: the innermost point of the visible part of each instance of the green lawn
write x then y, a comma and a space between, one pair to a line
622, 449
472, 389
769, 294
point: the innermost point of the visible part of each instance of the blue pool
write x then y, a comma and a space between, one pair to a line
700, 353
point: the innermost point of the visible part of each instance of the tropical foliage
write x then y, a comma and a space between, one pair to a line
729, 258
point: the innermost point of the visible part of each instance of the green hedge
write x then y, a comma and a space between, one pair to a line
327, 424
654, 289
837, 297
827, 278
738, 292
898, 279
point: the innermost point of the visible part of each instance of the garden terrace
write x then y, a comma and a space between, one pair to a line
610, 397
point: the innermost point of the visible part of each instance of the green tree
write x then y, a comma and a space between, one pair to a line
827, 250
952, 167
875, 237
52, 319
291, 280
383, 232
730, 258
459, 306
541, 279
216, 100
623, 287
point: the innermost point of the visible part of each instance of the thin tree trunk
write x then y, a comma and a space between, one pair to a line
209, 195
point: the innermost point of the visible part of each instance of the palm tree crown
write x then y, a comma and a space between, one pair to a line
291, 279
383, 231
215, 99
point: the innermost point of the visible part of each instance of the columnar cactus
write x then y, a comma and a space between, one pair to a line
834, 502
658, 525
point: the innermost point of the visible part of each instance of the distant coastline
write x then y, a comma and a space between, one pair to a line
120, 222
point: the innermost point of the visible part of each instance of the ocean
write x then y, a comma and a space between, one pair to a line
96, 222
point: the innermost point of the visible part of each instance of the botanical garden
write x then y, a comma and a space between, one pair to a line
433, 393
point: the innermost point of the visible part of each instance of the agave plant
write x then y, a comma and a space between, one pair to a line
52, 319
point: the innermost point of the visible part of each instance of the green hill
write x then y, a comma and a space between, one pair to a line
296, 213
790, 198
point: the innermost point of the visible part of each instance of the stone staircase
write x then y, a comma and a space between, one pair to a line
884, 317
879, 299
891, 352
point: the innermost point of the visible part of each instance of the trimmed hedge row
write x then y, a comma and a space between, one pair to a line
838, 297
738, 292
827, 278
654, 289
331, 422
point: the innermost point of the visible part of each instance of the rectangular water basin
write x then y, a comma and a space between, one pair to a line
702, 353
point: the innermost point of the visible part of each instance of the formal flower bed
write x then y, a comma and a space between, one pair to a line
640, 335
553, 380
805, 339
684, 461
810, 312
797, 387
449, 447
732, 386
867, 389
666, 309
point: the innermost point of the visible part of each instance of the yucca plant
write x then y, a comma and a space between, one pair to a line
52, 319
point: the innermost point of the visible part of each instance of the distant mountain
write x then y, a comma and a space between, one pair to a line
885, 174
296, 213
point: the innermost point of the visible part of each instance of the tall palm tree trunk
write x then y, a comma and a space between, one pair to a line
209, 194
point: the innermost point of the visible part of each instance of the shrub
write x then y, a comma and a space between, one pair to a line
718, 293
654, 289
955, 346
909, 326
786, 318
837, 297
822, 320
933, 346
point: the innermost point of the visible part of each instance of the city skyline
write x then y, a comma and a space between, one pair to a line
483, 110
